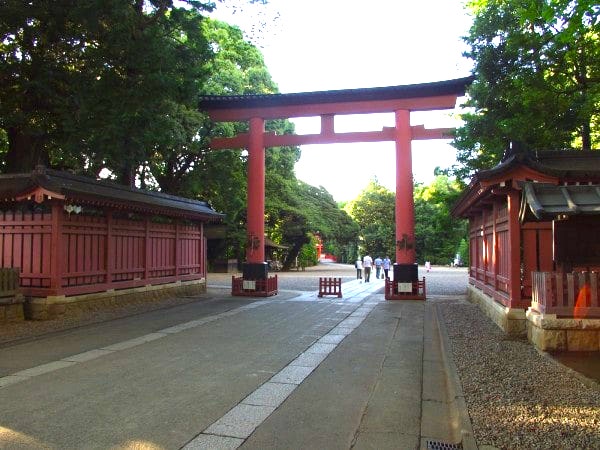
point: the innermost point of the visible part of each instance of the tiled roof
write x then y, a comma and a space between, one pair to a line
543, 201
560, 163
85, 189
449, 87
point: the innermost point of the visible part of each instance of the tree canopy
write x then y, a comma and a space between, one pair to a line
93, 87
537, 79
438, 235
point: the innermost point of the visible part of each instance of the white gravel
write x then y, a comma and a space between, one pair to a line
518, 398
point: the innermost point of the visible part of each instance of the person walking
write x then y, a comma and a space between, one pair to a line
359, 267
378, 262
386, 267
367, 264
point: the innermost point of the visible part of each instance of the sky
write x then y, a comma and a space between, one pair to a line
319, 45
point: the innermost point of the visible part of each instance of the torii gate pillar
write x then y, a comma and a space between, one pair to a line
405, 226
255, 266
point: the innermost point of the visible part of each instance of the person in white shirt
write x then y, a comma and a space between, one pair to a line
367, 264
386, 267
358, 265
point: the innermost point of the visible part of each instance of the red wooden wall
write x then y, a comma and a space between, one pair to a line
490, 254
70, 254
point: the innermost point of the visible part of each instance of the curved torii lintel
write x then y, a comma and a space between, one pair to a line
400, 100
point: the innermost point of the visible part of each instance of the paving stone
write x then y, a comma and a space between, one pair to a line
321, 348
11, 379
240, 421
270, 394
134, 342
87, 356
309, 359
292, 374
331, 339
43, 368
212, 442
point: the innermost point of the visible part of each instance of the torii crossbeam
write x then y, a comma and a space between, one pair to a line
400, 100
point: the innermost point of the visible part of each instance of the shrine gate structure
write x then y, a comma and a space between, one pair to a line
399, 100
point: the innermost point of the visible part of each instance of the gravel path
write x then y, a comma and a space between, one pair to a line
517, 397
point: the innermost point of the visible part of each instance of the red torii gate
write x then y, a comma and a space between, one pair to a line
400, 100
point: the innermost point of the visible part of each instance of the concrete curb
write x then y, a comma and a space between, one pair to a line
463, 428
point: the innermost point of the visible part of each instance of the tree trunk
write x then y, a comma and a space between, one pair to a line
291, 256
586, 136
24, 152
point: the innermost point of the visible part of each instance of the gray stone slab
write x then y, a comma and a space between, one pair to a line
240, 421
44, 368
393, 413
181, 327
87, 356
385, 441
309, 359
292, 374
434, 381
438, 422
212, 442
11, 379
321, 348
270, 394
341, 330
134, 342
351, 322
331, 339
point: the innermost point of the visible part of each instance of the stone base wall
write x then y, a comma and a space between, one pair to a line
549, 333
511, 320
53, 307
11, 309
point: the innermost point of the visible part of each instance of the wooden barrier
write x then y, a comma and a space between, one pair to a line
254, 288
330, 286
417, 291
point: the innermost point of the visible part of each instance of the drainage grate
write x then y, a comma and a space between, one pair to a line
438, 445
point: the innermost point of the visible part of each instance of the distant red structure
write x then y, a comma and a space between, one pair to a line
72, 235
319, 246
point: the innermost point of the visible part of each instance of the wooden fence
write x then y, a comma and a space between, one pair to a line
566, 294
70, 254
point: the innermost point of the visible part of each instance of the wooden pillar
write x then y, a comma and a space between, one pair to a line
147, 251
405, 210
57, 256
514, 233
202, 242
255, 246
110, 248
177, 251
495, 254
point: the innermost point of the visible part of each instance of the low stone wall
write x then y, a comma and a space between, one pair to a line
52, 307
11, 309
512, 321
549, 333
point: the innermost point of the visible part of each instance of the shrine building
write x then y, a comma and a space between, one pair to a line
76, 241
534, 235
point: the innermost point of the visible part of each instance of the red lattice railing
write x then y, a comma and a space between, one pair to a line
566, 294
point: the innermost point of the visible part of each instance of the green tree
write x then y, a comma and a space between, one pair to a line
537, 79
88, 84
374, 211
438, 234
